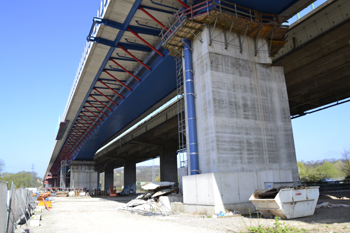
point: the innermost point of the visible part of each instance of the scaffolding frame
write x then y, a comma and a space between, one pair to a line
181, 116
230, 18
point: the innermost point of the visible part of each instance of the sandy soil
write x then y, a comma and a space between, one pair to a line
102, 215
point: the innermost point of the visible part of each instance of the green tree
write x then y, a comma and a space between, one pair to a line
157, 179
328, 170
346, 165
302, 170
21, 179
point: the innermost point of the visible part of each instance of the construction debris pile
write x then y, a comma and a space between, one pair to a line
149, 203
330, 205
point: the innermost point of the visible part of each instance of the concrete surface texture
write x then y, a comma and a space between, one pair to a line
130, 174
242, 109
243, 121
83, 175
168, 164
108, 179
316, 59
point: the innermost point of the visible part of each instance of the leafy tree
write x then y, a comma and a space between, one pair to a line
315, 170
302, 170
346, 165
21, 179
157, 179
327, 170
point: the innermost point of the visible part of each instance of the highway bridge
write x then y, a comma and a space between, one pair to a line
136, 55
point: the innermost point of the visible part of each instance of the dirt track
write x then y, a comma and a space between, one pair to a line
102, 215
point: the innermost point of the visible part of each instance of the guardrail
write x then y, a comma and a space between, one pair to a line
100, 13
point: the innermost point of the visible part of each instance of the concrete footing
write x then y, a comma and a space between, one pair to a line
173, 202
214, 192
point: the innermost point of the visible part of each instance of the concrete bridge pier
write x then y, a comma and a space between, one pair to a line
109, 177
244, 129
130, 174
168, 164
83, 175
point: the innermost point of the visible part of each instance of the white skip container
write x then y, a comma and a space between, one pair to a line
288, 202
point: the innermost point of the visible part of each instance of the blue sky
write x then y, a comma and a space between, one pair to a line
40, 49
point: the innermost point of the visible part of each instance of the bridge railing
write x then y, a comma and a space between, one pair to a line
100, 13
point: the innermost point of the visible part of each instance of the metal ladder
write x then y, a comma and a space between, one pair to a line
181, 118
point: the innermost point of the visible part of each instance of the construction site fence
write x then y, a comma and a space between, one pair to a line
14, 204
330, 186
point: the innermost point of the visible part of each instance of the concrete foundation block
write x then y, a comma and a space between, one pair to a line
214, 192
34, 222
36, 216
243, 208
38, 210
172, 203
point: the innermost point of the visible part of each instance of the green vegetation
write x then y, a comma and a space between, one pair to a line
278, 228
20, 179
315, 170
346, 166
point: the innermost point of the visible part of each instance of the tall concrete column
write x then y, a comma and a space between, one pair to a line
98, 179
130, 174
168, 164
109, 177
244, 129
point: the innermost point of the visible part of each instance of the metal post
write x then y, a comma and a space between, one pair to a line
190, 105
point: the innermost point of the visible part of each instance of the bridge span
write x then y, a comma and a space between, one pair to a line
223, 57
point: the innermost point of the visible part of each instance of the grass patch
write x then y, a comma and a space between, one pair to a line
278, 227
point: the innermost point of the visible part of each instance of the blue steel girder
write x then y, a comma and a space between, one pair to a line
117, 70
127, 46
120, 26
112, 44
123, 58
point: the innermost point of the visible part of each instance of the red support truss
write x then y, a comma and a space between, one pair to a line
125, 69
96, 108
118, 80
106, 97
149, 45
101, 103
111, 89
138, 60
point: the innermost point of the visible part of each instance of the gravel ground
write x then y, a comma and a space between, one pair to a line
87, 214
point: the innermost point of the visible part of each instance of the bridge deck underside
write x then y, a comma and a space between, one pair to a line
318, 73
94, 99
146, 146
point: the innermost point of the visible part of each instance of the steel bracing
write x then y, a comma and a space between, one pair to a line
134, 68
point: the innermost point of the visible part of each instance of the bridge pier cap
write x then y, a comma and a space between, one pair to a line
244, 129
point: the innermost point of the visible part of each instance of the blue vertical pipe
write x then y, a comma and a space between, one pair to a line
190, 107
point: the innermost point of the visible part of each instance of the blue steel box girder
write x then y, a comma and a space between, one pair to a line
93, 114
